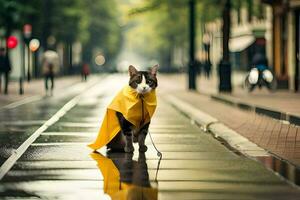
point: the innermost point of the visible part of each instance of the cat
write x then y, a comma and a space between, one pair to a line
142, 82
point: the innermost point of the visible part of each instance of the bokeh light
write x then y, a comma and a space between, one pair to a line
100, 60
34, 45
12, 42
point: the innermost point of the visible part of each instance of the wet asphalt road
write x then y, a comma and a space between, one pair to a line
17, 124
58, 165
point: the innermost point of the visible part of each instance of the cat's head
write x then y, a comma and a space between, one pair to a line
143, 81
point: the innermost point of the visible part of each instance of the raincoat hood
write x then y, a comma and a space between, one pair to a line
130, 104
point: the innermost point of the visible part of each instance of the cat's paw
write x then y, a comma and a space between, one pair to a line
143, 148
129, 149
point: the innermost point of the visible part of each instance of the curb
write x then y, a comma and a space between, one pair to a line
232, 139
270, 112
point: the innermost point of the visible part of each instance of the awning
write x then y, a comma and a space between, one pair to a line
238, 44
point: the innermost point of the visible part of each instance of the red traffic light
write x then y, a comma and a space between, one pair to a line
11, 42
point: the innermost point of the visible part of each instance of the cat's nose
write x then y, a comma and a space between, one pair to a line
144, 88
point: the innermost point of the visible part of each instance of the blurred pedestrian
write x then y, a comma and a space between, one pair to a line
207, 68
198, 66
50, 65
85, 71
259, 59
5, 69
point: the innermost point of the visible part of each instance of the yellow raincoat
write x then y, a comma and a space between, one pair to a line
129, 103
116, 189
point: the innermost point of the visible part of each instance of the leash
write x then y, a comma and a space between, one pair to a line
159, 154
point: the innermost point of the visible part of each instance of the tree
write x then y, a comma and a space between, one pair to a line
11, 12
94, 23
103, 29
155, 34
167, 26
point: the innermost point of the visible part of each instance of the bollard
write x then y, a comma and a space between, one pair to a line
224, 71
21, 91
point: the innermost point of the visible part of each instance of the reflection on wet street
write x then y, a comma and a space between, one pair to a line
17, 124
284, 168
125, 178
59, 165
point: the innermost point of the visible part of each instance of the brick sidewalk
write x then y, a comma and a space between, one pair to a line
33, 88
272, 135
282, 100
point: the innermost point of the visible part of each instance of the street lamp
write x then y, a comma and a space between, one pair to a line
27, 30
192, 72
207, 64
224, 65
206, 44
34, 45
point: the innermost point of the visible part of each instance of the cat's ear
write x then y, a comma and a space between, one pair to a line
132, 70
154, 69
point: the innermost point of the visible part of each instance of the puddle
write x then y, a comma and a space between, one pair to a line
124, 177
286, 170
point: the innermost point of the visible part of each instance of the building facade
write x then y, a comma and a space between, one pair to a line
275, 34
248, 36
285, 42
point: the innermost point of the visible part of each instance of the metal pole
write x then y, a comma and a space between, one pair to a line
71, 58
28, 64
192, 67
21, 89
0, 83
35, 70
225, 66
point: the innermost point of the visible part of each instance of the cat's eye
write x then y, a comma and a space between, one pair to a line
150, 82
139, 79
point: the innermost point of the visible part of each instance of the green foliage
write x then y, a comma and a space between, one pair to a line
92, 22
159, 28
210, 10
162, 26
103, 27
154, 28
67, 14
11, 12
